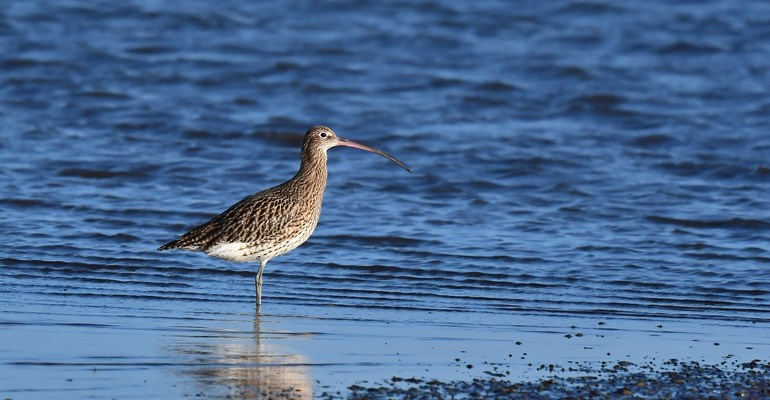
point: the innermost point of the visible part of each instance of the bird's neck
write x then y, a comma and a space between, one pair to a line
312, 170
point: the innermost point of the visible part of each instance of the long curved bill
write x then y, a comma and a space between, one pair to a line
350, 143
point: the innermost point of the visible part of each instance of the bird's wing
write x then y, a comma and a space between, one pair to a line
258, 218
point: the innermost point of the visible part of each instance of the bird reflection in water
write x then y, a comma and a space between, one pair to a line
227, 364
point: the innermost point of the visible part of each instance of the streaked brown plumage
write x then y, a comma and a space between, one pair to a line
277, 220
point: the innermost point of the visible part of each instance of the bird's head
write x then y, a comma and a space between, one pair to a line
320, 139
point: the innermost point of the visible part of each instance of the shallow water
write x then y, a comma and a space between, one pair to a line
574, 163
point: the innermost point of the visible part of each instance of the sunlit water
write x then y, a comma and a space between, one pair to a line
574, 163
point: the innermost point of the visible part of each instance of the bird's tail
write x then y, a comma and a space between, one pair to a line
169, 245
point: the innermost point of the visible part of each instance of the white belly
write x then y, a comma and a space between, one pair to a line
239, 252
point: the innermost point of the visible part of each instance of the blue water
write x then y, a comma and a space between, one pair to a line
573, 161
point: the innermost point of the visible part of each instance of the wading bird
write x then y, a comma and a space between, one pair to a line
275, 221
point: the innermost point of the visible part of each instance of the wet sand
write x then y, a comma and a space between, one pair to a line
211, 350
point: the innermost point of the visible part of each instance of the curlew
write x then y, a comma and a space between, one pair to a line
275, 221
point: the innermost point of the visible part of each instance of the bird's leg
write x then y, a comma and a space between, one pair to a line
259, 294
258, 281
258, 285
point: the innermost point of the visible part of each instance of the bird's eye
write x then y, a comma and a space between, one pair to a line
323, 134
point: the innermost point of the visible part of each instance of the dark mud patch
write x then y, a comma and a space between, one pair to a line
671, 379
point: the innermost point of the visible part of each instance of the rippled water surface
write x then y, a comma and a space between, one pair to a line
588, 167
